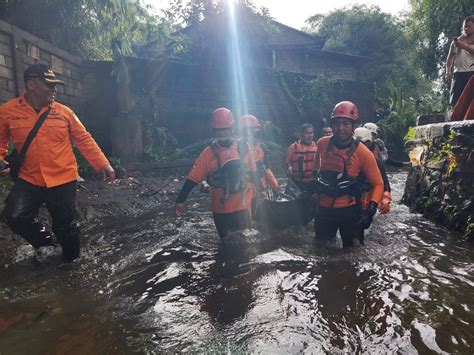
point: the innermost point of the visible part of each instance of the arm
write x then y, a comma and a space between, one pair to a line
4, 138
396, 163
450, 62
372, 173
188, 186
197, 174
89, 148
383, 172
249, 160
272, 179
289, 156
467, 47
317, 162
4, 134
384, 205
182, 196
269, 176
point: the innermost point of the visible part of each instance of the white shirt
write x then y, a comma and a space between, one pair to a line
463, 60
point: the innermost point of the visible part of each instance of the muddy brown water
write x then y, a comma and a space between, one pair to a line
150, 284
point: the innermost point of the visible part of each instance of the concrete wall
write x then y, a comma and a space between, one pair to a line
441, 186
318, 62
19, 49
187, 94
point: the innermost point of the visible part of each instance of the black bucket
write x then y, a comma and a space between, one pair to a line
282, 214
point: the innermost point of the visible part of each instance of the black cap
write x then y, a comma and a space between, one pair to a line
42, 72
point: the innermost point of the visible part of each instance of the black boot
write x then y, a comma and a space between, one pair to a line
70, 241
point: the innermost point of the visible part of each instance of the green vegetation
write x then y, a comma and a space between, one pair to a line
369, 32
404, 83
410, 135
469, 232
430, 26
86, 171
407, 50
87, 28
445, 154
314, 96
394, 128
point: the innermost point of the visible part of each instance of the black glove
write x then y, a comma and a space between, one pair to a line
367, 215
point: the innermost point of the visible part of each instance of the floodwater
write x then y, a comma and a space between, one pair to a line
151, 284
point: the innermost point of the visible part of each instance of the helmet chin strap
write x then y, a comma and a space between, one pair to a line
225, 142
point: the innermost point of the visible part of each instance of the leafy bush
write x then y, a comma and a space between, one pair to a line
87, 172
394, 128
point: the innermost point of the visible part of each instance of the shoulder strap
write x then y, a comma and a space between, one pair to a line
353, 148
32, 134
243, 148
216, 153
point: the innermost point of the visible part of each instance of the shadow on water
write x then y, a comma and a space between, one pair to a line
152, 284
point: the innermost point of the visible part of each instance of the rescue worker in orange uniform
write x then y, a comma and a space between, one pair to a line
380, 149
340, 164
300, 158
229, 168
250, 131
49, 171
365, 136
327, 131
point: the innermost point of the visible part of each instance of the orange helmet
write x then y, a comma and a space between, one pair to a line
249, 121
346, 109
222, 118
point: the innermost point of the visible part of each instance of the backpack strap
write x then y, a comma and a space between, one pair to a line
32, 134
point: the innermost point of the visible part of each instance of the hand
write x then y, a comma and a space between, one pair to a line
448, 75
289, 170
277, 191
384, 206
4, 168
368, 214
178, 209
108, 173
262, 196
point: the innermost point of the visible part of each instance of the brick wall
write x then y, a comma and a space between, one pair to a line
19, 49
7, 77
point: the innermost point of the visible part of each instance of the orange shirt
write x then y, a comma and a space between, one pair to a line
362, 161
49, 160
207, 163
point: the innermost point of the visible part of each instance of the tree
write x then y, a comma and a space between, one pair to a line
367, 31
191, 12
86, 28
401, 87
432, 23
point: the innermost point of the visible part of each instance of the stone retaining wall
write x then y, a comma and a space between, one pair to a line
442, 185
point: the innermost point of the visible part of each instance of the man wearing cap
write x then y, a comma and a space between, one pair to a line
48, 173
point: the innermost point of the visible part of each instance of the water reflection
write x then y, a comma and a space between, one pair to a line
153, 285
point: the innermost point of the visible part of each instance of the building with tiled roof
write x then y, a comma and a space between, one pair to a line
264, 43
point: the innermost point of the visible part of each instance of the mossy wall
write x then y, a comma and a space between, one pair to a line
442, 185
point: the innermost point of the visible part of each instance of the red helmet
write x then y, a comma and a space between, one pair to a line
222, 118
346, 109
249, 121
